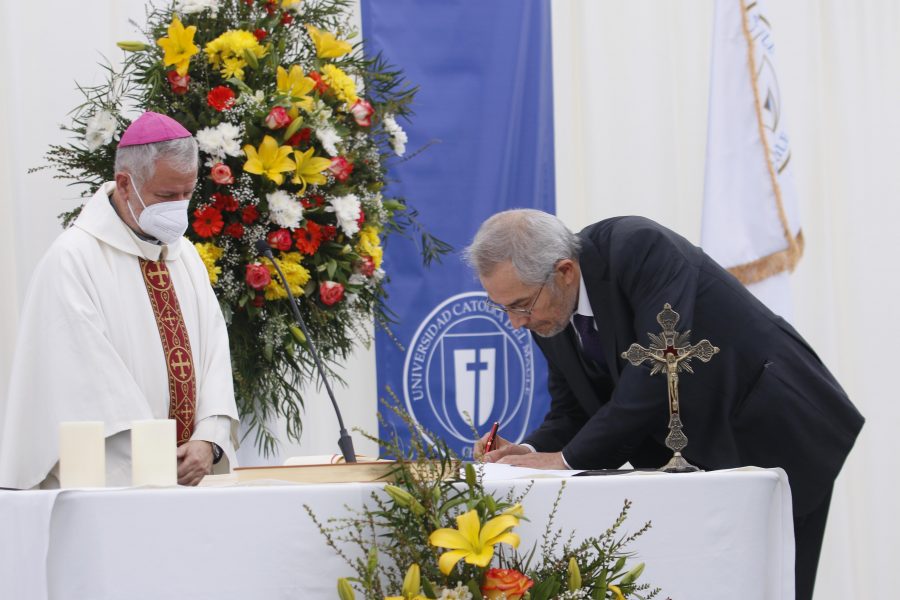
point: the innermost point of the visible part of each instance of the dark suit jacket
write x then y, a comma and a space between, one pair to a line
765, 399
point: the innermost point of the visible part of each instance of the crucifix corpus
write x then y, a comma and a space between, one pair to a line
670, 352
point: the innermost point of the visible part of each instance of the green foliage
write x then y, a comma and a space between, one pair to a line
431, 488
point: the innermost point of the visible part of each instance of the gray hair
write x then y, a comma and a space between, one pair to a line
140, 161
534, 241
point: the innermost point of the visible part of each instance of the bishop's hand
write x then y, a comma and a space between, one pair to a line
195, 459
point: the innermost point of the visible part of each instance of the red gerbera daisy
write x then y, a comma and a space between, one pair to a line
235, 230
220, 98
249, 214
207, 221
308, 238
225, 202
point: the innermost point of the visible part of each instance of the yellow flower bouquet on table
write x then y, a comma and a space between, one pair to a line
296, 128
437, 533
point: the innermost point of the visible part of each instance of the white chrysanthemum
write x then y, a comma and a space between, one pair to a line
209, 141
231, 138
346, 210
396, 134
190, 7
100, 128
329, 138
284, 209
357, 279
220, 141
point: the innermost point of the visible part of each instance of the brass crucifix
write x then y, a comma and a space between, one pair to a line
671, 351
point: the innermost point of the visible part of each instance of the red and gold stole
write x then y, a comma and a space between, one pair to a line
176, 347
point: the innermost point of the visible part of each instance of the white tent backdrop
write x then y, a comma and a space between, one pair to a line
631, 80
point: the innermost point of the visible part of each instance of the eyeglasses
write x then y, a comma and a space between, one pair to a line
522, 312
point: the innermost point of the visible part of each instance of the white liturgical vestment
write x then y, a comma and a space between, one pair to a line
88, 348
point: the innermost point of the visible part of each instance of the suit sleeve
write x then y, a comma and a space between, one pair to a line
650, 267
564, 419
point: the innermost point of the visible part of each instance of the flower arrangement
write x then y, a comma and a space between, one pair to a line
437, 533
295, 127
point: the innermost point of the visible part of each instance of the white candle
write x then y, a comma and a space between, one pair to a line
82, 454
153, 460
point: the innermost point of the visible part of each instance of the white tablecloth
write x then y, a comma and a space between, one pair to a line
715, 535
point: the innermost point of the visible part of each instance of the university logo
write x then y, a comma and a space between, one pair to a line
767, 88
466, 365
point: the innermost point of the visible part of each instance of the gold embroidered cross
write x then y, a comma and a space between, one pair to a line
181, 364
161, 274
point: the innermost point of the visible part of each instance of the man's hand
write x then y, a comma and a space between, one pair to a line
500, 448
194, 461
534, 460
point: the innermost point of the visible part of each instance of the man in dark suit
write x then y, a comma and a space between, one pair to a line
765, 399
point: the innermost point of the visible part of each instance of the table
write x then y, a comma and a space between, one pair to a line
714, 535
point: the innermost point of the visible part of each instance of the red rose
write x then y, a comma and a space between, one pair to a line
328, 232
257, 276
341, 168
504, 583
301, 137
321, 86
280, 239
221, 174
367, 266
362, 111
362, 218
260, 34
331, 292
224, 202
235, 230
249, 215
220, 98
178, 82
278, 118
207, 221
312, 202
271, 7
286, 19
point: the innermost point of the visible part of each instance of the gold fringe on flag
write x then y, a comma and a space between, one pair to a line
783, 260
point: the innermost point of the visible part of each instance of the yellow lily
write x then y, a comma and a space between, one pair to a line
309, 169
295, 84
473, 542
328, 46
412, 584
615, 590
179, 47
269, 159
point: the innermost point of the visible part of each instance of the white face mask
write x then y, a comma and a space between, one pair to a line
166, 221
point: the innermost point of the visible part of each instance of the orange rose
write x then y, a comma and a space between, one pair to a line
505, 581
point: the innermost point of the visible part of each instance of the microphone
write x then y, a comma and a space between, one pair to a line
345, 442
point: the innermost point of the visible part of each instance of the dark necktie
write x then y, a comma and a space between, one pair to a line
591, 346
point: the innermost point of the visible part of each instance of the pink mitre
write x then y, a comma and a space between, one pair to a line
152, 127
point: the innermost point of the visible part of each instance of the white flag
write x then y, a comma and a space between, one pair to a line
751, 223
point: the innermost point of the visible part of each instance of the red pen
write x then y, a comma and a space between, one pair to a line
491, 436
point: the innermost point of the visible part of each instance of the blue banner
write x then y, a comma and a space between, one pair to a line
485, 105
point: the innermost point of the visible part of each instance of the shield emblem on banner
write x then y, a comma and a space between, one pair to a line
468, 368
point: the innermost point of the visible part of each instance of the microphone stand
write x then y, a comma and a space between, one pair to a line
345, 442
